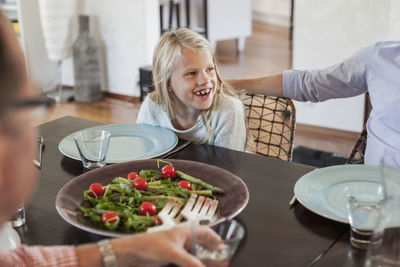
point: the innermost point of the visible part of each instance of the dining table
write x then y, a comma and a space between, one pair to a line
276, 234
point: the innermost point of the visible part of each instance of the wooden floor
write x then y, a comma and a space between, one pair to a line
267, 51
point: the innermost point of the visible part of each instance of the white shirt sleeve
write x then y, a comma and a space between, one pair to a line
344, 79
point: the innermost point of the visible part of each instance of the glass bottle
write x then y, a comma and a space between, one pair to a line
86, 64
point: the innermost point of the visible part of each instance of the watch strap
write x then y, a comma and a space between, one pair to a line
107, 253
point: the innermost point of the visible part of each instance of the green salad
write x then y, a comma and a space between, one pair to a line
131, 204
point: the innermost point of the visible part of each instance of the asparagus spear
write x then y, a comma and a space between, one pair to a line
194, 180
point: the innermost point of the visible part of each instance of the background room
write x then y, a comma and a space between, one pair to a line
251, 37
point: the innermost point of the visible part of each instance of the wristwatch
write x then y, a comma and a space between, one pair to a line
107, 253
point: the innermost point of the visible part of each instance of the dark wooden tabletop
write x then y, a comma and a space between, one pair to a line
275, 234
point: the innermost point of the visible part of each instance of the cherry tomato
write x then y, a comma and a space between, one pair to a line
110, 217
140, 183
132, 175
168, 171
185, 184
110, 220
157, 221
148, 207
98, 189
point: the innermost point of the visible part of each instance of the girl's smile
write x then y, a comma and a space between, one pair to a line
203, 93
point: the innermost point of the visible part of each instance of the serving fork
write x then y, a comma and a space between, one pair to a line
168, 216
200, 210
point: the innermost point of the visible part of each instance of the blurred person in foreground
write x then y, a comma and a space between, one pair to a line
374, 69
18, 175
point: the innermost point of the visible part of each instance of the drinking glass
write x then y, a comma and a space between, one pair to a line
364, 213
19, 218
93, 147
231, 233
385, 137
388, 230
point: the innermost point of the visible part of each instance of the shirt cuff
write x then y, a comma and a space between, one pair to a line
52, 255
289, 81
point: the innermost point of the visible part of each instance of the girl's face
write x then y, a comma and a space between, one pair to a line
194, 80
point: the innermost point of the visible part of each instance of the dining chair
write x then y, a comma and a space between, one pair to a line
358, 153
271, 121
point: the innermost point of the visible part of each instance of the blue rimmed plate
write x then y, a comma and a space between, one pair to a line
321, 190
128, 142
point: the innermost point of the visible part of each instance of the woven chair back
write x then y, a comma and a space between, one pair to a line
358, 153
271, 121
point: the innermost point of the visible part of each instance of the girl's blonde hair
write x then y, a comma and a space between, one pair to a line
166, 52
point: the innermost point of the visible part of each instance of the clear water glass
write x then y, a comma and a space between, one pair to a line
231, 233
364, 206
387, 253
93, 147
19, 218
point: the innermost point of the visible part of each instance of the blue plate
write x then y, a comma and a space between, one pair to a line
128, 142
321, 190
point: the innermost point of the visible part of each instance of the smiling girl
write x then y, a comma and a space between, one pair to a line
190, 98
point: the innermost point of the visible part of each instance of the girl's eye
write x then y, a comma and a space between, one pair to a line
192, 73
210, 69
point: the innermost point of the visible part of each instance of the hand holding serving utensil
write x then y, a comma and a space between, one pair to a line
198, 210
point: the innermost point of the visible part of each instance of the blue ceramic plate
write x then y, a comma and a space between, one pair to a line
128, 142
321, 190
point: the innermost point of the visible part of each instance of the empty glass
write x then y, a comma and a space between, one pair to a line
387, 253
364, 203
93, 147
231, 233
19, 218
386, 136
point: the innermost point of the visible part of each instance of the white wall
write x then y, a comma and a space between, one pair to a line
272, 11
326, 32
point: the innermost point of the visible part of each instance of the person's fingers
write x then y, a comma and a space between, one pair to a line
205, 237
182, 258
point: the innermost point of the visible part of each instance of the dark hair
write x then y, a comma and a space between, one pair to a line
10, 72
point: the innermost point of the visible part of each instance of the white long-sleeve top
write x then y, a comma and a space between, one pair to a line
228, 123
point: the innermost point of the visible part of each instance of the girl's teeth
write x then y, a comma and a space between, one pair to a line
203, 92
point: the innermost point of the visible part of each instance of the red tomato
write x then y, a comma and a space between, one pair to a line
132, 175
148, 207
140, 183
168, 171
157, 221
98, 189
185, 184
110, 217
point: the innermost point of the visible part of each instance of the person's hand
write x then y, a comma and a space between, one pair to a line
164, 247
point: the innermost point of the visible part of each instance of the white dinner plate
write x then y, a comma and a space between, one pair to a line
321, 190
128, 142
